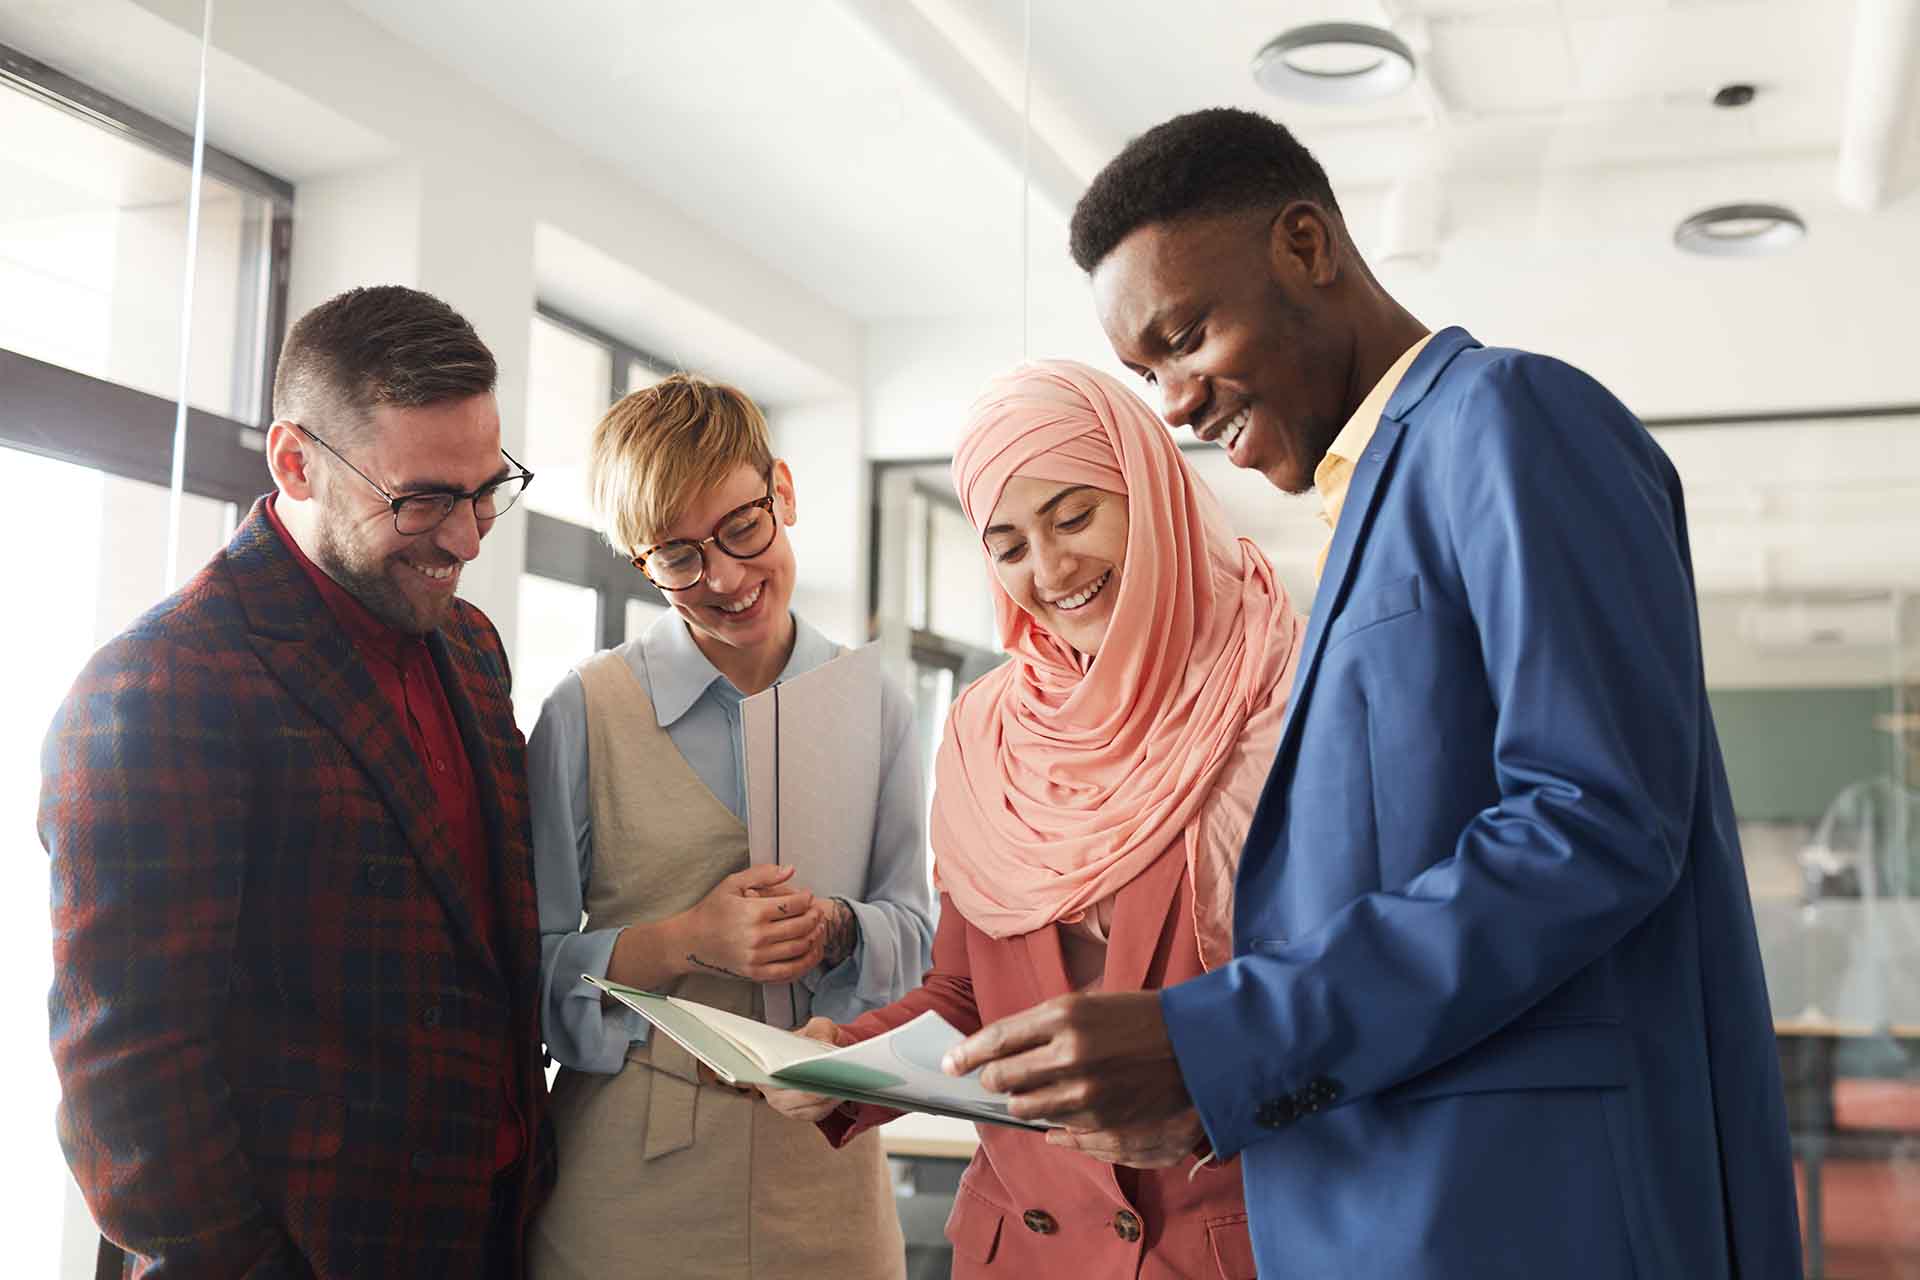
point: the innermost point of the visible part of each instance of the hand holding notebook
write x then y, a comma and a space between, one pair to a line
900, 1069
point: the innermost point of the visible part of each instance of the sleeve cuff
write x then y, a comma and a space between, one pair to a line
865, 979
583, 1031
1206, 1025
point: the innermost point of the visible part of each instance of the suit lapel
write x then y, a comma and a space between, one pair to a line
1356, 517
1356, 520
479, 701
305, 649
1140, 914
1046, 963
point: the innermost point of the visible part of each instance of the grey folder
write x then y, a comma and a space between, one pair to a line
813, 786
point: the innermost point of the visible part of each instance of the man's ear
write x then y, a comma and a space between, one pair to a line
290, 460
783, 497
1304, 244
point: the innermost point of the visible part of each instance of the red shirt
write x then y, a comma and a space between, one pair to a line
402, 667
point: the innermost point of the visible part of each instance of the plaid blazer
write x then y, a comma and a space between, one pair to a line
279, 1037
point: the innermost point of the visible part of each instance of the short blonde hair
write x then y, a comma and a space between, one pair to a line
659, 448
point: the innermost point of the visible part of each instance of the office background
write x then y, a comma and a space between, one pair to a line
856, 210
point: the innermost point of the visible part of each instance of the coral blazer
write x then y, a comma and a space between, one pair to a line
1028, 1209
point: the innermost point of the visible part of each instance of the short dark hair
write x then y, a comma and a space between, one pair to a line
386, 344
1220, 160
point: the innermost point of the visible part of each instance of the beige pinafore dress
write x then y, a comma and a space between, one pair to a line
660, 1175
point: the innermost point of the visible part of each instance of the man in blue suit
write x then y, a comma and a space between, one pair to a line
1496, 1006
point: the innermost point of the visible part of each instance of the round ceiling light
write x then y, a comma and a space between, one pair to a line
1740, 230
1331, 63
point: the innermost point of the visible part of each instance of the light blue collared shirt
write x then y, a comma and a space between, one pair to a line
700, 710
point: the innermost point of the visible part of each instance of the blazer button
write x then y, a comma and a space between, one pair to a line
1277, 1113
376, 874
430, 1016
1126, 1226
1323, 1090
1040, 1222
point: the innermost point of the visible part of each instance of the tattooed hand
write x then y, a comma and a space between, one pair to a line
843, 932
754, 925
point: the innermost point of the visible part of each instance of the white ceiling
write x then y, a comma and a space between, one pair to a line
872, 151
859, 143
781, 123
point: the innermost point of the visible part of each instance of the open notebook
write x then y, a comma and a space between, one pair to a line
900, 1069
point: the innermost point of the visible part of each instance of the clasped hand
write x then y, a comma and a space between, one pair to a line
758, 925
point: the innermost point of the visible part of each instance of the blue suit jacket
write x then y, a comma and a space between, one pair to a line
1497, 1007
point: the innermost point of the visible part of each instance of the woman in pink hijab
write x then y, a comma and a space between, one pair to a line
1091, 796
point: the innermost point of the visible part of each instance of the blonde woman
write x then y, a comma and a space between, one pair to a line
638, 814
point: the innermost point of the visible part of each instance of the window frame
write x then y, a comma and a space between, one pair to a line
76, 417
573, 553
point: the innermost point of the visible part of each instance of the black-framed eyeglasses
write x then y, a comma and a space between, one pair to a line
742, 533
424, 512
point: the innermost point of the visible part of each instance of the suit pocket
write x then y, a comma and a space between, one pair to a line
1564, 1055
1232, 1247
1381, 604
973, 1228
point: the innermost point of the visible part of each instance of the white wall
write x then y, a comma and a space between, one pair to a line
821, 443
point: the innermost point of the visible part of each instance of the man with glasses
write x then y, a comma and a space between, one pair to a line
295, 1007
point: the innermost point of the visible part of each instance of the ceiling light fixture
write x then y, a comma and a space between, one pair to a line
1332, 63
1740, 230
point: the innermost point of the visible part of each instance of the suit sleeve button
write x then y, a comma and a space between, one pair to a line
1127, 1226
1277, 1113
1040, 1222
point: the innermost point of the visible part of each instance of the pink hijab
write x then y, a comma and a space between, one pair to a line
1059, 778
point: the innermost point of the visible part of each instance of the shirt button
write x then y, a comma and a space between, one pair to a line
441, 765
1126, 1226
1040, 1222
430, 1016
420, 1161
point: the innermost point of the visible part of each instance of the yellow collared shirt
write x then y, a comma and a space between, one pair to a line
1335, 471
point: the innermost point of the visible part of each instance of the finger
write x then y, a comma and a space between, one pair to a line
824, 1030
783, 906
777, 932
1067, 1103
795, 1105
1110, 1144
783, 972
1012, 1034
1048, 1063
757, 879
783, 952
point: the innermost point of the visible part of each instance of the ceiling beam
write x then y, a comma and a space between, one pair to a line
1883, 102
972, 95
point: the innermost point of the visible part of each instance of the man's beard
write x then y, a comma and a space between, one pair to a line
363, 574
